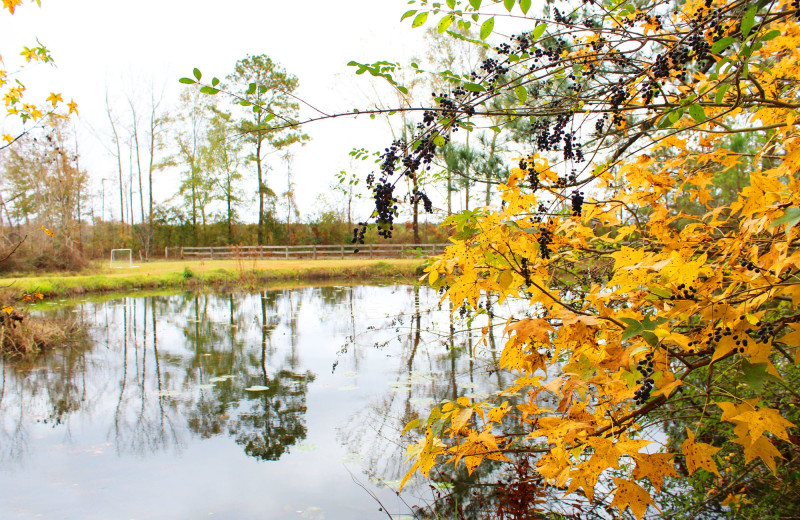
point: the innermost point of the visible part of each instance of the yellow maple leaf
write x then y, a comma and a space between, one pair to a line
54, 98
7, 138
30, 54
632, 495
698, 454
582, 478
73, 106
425, 450
526, 328
761, 448
654, 466
11, 5
7, 309
764, 419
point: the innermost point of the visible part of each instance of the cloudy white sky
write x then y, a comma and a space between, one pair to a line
127, 46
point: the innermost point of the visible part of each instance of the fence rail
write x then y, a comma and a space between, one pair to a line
306, 252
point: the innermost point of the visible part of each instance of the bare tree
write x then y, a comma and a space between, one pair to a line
118, 156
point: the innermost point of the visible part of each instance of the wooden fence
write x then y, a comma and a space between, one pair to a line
305, 252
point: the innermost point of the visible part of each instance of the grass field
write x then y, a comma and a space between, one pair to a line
197, 274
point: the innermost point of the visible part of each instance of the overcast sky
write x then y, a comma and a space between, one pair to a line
127, 46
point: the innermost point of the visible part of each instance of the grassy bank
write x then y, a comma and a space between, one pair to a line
199, 274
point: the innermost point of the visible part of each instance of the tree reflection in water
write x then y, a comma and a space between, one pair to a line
168, 373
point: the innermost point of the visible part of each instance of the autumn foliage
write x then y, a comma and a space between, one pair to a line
649, 288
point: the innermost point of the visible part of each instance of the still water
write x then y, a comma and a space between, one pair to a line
286, 404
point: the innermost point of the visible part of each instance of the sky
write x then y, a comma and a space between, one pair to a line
127, 48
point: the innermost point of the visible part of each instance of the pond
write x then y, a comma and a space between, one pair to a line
282, 404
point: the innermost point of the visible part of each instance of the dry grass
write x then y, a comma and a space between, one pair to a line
32, 336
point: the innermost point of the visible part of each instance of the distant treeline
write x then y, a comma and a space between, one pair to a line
35, 248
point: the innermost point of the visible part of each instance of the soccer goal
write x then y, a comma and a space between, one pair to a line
121, 258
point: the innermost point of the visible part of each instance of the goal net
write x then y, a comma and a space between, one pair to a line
121, 258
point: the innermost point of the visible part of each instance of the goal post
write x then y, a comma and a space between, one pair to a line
122, 258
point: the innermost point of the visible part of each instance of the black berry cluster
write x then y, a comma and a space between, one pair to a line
385, 207
528, 166
645, 366
358, 233
545, 239
418, 197
684, 292
762, 333
577, 203
750, 266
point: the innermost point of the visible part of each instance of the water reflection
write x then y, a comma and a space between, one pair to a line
175, 391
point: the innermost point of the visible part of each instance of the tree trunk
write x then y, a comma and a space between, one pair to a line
119, 163
260, 192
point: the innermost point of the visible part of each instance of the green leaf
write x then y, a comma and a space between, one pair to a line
214, 82
524, 5
770, 35
187, 81
402, 89
438, 140
476, 4
649, 337
791, 216
509, 4
748, 20
474, 87
487, 27
412, 12
754, 375
666, 121
538, 31
251, 89
209, 90
697, 113
268, 118
419, 19
444, 23
197, 73
451, 4
676, 115
722, 44
634, 328
522, 93
720, 97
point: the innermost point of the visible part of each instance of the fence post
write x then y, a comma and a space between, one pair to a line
315, 251
181, 252
341, 250
371, 251
166, 253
